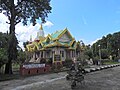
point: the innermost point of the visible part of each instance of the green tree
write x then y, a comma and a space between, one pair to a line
3, 48
3, 57
21, 56
3, 40
23, 10
109, 45
88, 52
104, 54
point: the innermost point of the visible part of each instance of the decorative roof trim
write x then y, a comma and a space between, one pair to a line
65, 30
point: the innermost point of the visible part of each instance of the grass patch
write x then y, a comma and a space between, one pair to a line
4, 77
110, 62
16, 66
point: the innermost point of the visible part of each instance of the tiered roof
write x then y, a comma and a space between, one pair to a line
53, 40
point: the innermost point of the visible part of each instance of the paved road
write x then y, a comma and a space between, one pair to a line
107, 79
25, 82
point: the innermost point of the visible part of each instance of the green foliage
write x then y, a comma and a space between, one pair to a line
82, 59
110, 62
3, 48
116, 59
21, 56
95, 60
89, 53
3, 56
104, 53
109, 45
49, 61
3, 40
43, 61
23, 10
26, 10
68, 62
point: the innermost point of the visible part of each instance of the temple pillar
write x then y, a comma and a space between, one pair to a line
43, 54
71, 54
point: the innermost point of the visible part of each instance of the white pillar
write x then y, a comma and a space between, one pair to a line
43, 54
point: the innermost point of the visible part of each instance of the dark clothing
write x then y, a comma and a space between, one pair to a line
72, 67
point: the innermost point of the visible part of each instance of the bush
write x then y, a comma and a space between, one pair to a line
49, 61
116, 59
56, 66
68, 62
82, 60
42, 61
95, 60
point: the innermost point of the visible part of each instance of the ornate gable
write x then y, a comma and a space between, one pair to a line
65, 36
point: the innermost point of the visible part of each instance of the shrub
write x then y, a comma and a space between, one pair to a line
95, 60
68, 62
43, 60
82, 60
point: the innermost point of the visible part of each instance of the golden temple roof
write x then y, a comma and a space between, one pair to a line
53, 41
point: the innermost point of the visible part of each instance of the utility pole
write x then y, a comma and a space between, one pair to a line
118, 52
99, 53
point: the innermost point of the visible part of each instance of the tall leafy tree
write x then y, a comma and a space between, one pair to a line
104, 53
21, 56
88, 52
3, 48
109, 45
3, 57
22, 10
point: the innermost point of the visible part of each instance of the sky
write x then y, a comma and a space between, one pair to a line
86, 20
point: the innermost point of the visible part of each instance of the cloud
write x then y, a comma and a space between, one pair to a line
94, 41
23, 33
15, 2
87, 42
48, 24
3, 25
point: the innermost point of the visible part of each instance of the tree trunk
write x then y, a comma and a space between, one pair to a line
11, 42
8, 67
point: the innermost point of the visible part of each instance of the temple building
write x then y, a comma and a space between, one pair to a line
57, 46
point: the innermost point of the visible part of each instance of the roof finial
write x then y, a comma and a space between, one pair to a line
41, 28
